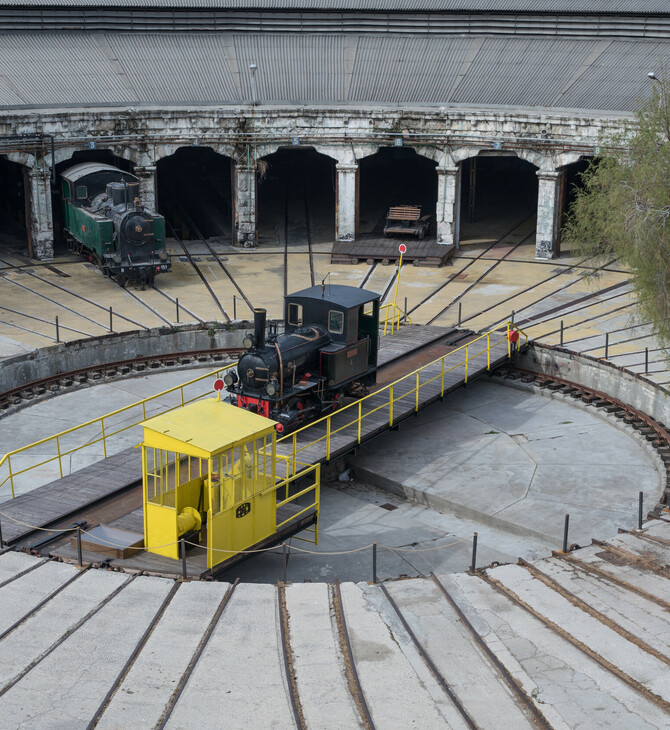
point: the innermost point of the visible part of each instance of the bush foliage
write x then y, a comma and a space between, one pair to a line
623, 208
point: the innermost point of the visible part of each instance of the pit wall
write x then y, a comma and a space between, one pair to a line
616, 382
96, 352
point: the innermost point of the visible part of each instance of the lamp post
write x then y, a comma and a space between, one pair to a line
652, 77
252, 68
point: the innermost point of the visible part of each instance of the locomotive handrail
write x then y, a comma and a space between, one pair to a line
104, 434
505, 334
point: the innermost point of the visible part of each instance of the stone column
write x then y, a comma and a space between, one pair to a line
40, 216
147, 177
548, 213
245, 205
346, 202
448, 209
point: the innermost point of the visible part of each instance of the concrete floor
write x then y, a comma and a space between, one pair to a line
587, 641
502, 462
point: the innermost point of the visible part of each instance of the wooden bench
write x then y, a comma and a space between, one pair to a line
406, 219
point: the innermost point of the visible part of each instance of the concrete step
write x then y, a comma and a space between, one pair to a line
628, 610
146, 690
566, 683
655, 554
36, 634
20, 596
13, 563
87, 663
398, 687
240, 681
318, 662
474, 679
608, 562
633, 660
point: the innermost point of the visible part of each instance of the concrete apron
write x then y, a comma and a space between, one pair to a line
518, 462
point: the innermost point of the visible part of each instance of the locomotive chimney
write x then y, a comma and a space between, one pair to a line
259, 328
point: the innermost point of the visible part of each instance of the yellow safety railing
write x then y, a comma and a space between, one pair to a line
100, 431
479, 347
314, 487
392, 318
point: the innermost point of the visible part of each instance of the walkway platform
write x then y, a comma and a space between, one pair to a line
391, 403
58, 502
372, 247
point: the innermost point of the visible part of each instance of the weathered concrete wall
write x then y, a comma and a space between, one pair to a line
99, 351
246, 134
614, 381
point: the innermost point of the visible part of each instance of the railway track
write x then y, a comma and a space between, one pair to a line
34, 391
655, 432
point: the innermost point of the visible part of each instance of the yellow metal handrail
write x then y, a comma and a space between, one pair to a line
394, 316
467, 350
102, 433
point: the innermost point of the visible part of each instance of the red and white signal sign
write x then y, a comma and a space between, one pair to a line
218, 384
402, 248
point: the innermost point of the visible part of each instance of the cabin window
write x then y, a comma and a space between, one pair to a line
81, 191
335, 322
295, 314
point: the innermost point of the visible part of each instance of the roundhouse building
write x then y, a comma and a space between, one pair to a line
467, 107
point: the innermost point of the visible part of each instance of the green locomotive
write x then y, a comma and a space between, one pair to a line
105, 221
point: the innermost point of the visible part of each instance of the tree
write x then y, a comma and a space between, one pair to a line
623, 208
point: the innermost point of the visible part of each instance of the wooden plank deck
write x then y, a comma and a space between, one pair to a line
70, 495
373, 247
57, 500
311, 443
196, 557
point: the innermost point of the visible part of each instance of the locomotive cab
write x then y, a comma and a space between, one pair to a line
328, 348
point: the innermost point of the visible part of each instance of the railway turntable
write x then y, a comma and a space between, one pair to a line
211, 480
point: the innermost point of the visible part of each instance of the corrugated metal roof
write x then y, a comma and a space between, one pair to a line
488, 6
83, 70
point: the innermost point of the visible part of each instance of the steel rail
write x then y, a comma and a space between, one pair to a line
558, 588
470, 262
23, 572
632, 558
172, 702
308, 231
163, 359
15, 680
85, 299
479, 279
430, 663
585, 567
515, 686
43, 602
350, 663
195, 266
285, 242
561, 632
287, 654
224, 268
133, 657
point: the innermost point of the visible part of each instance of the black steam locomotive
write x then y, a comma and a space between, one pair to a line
329, 347
105, 220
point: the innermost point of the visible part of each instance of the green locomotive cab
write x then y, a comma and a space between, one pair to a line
105, 220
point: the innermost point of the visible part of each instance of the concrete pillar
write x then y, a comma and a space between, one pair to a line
346, 202
448, 209
147, 177
245, 205
548, 213
41, 229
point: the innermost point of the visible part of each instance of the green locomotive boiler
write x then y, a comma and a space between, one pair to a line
105, 221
